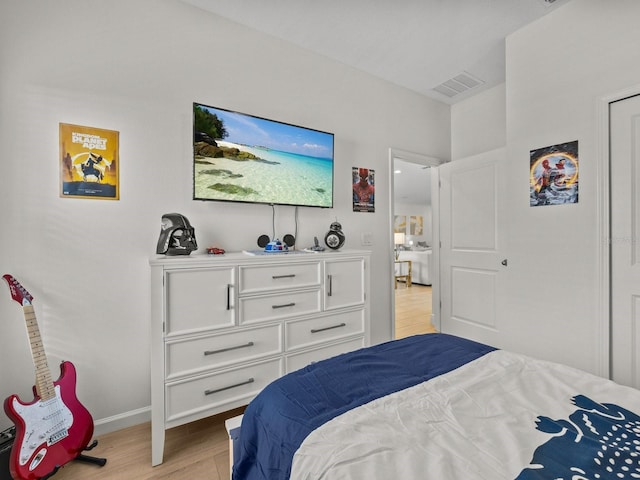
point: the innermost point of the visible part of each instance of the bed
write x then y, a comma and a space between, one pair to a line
439, 406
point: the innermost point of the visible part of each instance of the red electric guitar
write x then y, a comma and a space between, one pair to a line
55, 427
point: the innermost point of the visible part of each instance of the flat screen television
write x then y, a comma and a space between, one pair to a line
243, 158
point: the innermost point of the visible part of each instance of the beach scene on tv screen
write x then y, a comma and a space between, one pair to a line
239, 157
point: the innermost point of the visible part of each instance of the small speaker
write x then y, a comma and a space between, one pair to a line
263, 240
289, 240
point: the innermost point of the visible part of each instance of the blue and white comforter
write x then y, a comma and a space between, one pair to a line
495, 416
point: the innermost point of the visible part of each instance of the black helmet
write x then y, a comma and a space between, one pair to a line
177, 236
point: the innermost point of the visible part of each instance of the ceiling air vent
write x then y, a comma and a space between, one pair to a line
458, 84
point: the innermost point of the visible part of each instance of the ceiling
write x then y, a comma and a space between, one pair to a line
446, 50
411, 183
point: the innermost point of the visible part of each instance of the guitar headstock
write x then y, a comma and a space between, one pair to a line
18, 292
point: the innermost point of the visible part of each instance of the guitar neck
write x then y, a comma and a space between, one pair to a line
44, 382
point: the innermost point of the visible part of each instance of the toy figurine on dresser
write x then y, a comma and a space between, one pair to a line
334, 237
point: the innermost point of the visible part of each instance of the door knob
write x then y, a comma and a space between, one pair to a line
504, 262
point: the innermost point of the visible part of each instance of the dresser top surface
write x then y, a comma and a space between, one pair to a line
243, 257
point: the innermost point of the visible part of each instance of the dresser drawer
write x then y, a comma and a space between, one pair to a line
259, 278
188, 397
302, 333
278, 306
301, 360
192, 355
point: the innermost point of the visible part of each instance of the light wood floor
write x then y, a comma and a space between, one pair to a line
413, 310
200, 450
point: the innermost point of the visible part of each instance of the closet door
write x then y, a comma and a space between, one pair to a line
625, 241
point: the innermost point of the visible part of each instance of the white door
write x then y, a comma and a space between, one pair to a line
471, 250
625, 241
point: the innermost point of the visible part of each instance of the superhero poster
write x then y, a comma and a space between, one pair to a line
89, 162
553, 175
363, 186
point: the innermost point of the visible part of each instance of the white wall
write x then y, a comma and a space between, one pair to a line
136, 67
479, 123
558, 69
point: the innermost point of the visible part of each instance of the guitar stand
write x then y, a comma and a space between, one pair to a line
82, 458
89, 459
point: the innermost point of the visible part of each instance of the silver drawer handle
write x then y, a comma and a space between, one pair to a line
229, 287
211, 392
292, 304
316, 330
213, 352
276, 277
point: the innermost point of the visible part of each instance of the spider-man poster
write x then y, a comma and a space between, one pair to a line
363, 189
553, 177
88, 162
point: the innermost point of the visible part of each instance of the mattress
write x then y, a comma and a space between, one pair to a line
440, 405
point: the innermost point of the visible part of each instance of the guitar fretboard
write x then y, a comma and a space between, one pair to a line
44, 382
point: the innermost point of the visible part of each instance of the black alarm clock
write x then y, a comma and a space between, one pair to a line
334, 237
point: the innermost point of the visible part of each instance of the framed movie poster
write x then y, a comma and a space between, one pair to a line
363, 190
89, 162
553, 177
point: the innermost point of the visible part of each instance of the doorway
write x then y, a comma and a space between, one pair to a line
414, 233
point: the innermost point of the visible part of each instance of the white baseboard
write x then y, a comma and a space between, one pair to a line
122, 420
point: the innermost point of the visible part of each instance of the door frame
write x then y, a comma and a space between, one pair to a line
603, 216
426, 160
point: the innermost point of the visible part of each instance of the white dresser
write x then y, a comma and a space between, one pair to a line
223, 327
